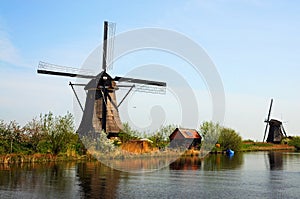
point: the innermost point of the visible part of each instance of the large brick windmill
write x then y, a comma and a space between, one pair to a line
101, 109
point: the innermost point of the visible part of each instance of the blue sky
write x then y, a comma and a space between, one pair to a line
254, 45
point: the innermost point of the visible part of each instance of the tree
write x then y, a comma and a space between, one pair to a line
33, 130
127, 133
4, 142
161, 138
11, 137
229, 139
214, 133
210, 133
59, 131
43, 135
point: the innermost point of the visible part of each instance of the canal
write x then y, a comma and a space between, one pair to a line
244, 175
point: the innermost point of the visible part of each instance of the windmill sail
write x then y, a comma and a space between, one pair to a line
113, 122
52, 69
267, 120
101, 110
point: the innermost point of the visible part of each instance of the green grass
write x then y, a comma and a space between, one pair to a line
254, 146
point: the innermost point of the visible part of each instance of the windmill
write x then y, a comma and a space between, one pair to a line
100, 112
275, 128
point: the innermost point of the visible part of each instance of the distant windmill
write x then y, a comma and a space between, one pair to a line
101, 109
275, 128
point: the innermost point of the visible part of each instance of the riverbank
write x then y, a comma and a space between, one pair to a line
35, 158
39, 158
248, 147
261, 146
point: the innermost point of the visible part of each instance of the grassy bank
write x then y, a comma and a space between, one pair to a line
37, 158
260, 146
248, 147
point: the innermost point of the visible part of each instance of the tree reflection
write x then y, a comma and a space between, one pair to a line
223, 161
36, 178
210, 163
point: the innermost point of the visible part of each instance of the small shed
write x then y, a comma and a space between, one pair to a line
138, 146
185, 138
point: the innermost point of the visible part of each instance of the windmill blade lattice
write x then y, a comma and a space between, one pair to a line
52, 69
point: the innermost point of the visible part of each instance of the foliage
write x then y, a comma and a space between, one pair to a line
214, 133
262, 144
286, 140
248, 140
255, 146
56, 134
127, 133
161, 138
104, 144
4, 144
33, 130
295, 141
59, 132
11, 138
48, 134
210, 133
229, 139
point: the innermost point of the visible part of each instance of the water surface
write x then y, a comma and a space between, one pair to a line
245, 175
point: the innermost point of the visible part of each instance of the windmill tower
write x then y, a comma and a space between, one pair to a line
276, 130
100, 112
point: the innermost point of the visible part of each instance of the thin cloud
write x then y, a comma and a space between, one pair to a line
25, 95
8, 52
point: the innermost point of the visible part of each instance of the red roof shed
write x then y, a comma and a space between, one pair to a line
185, 138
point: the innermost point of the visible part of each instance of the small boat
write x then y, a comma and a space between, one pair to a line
229, 152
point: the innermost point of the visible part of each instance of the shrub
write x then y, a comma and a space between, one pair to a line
59, 131
214, 133
210, 133
127, 133
229, 139
295, 141
46, 134
248, 140
161, 138
104, 144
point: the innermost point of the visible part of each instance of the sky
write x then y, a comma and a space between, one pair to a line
254, 45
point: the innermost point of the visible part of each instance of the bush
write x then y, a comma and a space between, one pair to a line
46, 134
127, 133
214, 133
229, 139
59, 132
248, 140
210, 133
104, 144
43, 147
295, 141
161, 138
